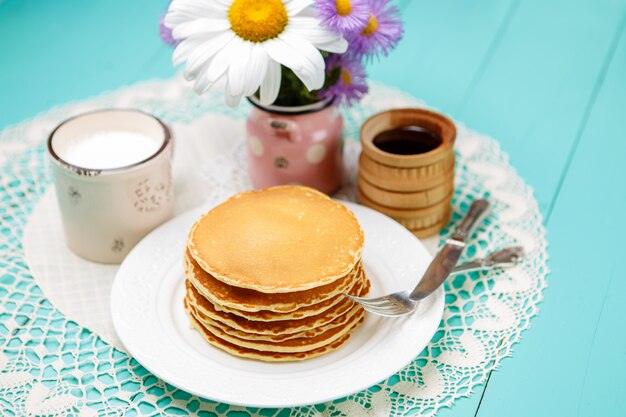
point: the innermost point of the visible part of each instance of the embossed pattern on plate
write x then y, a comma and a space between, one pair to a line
146, 304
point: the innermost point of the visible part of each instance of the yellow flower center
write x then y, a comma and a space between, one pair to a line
257, 20
346, 78
344, 7
372, 26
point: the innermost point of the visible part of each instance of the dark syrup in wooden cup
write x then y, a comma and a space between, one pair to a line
407, 140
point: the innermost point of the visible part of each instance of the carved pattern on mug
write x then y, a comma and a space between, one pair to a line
150, 197
74, 195
118, 245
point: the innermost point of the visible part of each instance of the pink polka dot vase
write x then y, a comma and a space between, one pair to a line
295, 145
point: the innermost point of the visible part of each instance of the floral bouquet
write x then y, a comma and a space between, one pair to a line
289, 52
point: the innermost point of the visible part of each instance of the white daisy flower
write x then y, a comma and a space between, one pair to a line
246, 41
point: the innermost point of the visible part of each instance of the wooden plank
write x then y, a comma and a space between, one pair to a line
534, 90
443, 47
573, 362
67, 50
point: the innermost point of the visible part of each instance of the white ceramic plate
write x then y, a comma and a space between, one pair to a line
147, 308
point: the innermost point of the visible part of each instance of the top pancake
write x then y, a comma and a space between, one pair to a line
277, 240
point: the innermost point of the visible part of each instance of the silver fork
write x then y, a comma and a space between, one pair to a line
499, 259
402, 303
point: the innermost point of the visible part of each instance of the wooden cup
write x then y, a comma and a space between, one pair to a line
416, 190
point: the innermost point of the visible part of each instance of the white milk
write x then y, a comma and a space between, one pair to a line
109, 149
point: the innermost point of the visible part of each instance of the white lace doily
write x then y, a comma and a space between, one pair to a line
51, 365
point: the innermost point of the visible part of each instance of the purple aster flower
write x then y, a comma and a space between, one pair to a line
382, 32
344, 16
166, 33
351, 85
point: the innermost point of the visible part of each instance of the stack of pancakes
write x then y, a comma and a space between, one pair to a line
266, 271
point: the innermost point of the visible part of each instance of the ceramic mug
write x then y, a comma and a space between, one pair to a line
105, 212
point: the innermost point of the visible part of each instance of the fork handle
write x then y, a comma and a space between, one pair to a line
473, 266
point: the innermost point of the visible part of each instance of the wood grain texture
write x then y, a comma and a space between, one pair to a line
534, 92
573, 362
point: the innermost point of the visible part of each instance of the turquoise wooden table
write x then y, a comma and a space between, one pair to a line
547, 78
